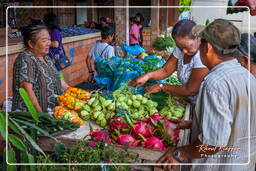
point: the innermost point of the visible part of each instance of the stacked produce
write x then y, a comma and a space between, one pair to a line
101, 109
115, 71
172, 110
61, 112
70, 103
153, 132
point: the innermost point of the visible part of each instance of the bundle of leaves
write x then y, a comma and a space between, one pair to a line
163, 42
184, 3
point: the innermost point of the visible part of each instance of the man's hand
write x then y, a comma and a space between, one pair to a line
182, 124
169, 159
152, 88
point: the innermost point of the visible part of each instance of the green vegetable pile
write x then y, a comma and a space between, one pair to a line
172, 110
100, 109
172, 80
163, 42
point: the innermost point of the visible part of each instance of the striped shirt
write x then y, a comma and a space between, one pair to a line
223, 115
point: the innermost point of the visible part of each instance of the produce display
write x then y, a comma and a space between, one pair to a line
101, 109
46, 122
68, 31
164, 42
61, 112
119, 71
70, 103
153, 132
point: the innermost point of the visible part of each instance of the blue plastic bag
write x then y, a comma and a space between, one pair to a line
105, 81
123, 77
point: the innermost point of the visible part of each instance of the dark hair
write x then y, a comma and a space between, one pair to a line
103, 19
106, 31
132, 19
51, 21
141, 17
243, 47
182, 29
30, 33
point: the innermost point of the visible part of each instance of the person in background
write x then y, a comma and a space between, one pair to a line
243, 53
100, 49
140, 22
103, 23
34, 71
56, 47
134, 33
222, 107
113, 27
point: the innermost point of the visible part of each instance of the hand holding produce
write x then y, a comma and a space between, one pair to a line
139, 81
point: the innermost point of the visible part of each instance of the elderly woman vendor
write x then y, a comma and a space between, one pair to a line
35, 71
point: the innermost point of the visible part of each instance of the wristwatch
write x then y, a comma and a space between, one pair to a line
176, 155
161, 86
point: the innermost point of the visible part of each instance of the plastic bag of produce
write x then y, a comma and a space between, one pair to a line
105, 81
123, 77
106, 67
133, 50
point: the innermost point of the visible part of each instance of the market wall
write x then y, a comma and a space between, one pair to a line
76, 49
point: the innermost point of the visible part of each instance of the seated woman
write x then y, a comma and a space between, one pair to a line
35, 71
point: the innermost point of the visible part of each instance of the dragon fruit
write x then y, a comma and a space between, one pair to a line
156, 117
126, 139
171, 132
117, 123
100, 136
143, 128
154, 143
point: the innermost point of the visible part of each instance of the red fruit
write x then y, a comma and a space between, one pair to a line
126, 139
100, 136
156, 117
154, 143
172, 131
117, 123
143, 129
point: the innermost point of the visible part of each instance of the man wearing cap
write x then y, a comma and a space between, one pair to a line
224, 114
243, 53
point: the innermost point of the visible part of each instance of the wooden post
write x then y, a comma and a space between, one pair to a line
90, 11
164, 16
154, 20
121, 20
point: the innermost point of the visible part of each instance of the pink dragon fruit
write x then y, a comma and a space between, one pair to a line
117, 123
142, 128
156, 117
172, 132
126, 139
100, 136
154, 143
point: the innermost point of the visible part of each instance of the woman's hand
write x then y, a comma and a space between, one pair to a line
153, 88
139, 81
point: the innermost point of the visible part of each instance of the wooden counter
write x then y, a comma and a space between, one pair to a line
16, 44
